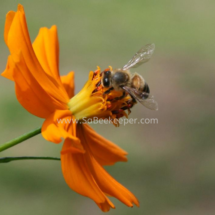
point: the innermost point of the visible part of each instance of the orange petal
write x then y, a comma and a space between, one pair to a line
68, 83
9, 19
55, 128
106, 183
72, 146
87, 177
105, 206
9, 70
77, 175
104, 151
46, 48
29, 91
27, 96
109, 185
18, 40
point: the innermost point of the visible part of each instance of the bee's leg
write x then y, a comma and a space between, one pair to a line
133, 99
120, 97
108, 91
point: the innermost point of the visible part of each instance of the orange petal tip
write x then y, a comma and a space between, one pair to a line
20, 8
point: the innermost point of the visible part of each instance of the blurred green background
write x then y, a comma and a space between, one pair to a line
171, 167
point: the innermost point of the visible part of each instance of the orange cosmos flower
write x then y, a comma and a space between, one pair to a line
40, 90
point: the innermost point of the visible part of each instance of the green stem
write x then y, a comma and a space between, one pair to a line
20, 139
8, 159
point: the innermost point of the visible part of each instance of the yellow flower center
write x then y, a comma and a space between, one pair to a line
91, 102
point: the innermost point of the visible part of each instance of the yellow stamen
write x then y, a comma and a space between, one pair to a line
91, 101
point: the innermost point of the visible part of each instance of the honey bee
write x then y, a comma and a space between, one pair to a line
134, 84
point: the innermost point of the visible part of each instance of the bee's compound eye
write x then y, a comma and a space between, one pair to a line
106, 79
106, 82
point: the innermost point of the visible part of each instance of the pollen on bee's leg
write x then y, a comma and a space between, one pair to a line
120, 97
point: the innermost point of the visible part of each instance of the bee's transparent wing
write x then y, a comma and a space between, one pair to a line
143, 55
144, 98
149, 103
